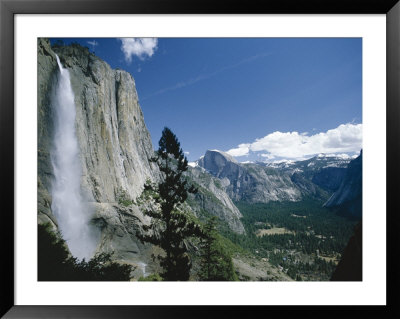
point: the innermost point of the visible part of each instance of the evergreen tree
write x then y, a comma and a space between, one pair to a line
216, 263
170, 224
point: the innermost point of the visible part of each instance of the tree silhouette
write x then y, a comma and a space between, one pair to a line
170, 224
55, 263
54, 260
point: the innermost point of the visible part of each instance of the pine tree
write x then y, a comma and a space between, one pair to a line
216, 263
170, 224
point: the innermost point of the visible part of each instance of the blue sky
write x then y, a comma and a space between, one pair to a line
258, 99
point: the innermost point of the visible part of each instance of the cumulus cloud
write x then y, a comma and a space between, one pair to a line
241, 150
140, 47
345, 138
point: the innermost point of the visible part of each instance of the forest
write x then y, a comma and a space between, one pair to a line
311, 244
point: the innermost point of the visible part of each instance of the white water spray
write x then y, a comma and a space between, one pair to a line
72, 214
142, 267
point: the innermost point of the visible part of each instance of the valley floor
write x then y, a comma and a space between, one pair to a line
257, 269
289, 241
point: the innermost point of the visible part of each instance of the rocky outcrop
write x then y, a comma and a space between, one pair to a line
347, 200
220, 164
211, 199
254, 269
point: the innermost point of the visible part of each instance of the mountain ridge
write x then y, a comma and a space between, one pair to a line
318, 176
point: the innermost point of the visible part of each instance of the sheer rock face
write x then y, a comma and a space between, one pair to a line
47, 64
329, 178
115, 148
348, 198
114, 142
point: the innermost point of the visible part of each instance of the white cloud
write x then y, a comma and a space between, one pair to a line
344, 138
186, 153
93, 43
268, 156
139, 47
241, 150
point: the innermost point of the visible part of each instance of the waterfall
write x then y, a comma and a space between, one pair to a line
68, 205
142, 267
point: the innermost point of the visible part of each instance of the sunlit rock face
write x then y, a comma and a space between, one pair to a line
114, 151
113, 141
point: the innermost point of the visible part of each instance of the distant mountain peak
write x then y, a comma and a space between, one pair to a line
247, 162
226, 155
343, 156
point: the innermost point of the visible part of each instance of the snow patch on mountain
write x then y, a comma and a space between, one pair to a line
343, 156
193, 164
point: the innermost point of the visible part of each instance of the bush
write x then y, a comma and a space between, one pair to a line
152, 277
123, 198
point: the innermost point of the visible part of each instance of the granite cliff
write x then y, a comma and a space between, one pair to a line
115, 148
113, 140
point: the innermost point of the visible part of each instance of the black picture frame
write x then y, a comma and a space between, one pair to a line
9, 8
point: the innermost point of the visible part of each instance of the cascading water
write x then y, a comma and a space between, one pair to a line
68, 206
142, 267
